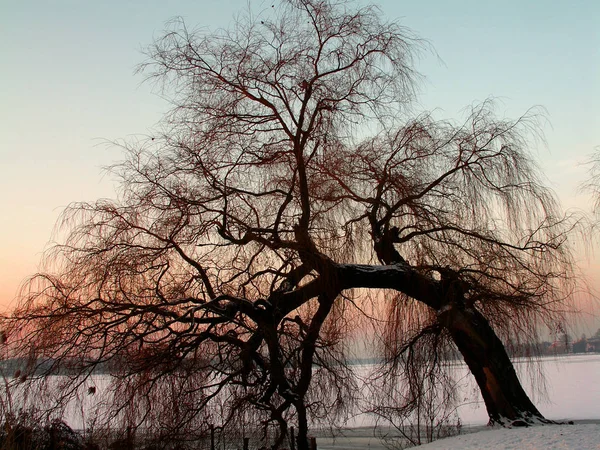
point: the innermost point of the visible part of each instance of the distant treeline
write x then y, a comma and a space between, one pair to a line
25, 367
564, 345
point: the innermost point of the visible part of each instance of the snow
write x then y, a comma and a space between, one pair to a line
546, 437
581, 436
572, 392
571, 382
372, 268
562, 387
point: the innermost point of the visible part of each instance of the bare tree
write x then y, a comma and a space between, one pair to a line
592, 184
287, 178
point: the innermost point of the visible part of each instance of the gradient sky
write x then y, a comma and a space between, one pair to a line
68, 86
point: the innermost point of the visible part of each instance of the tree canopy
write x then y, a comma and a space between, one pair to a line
287, 185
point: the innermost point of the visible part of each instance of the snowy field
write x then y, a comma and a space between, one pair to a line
584, 436
572, 392
572, 385
571, 437
563, 389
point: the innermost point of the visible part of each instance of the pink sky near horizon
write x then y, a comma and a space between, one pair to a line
68, 85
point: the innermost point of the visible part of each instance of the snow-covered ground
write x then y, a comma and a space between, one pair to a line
571, 385
563, 388
581, 436
548, 437
572, 392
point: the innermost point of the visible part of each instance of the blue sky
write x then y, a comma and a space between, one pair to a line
68, 85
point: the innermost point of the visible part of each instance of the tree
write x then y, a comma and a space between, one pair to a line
286, 185
592, 184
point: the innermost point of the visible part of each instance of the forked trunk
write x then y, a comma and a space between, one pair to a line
484, 353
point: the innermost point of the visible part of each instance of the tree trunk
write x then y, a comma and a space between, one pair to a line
484, 353
302, 427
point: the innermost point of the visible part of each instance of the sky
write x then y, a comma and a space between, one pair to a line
68, 88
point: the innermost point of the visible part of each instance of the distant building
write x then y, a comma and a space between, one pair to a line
593, 345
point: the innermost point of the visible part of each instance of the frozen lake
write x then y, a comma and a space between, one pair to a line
564, 388
572, 389
572, 392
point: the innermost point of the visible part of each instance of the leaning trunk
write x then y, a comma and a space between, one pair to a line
484, 353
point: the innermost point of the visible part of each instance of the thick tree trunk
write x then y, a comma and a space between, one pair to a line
484, 353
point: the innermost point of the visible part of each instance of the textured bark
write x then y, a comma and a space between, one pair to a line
483, 351
505, 399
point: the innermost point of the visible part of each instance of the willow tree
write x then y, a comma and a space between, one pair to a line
286, 177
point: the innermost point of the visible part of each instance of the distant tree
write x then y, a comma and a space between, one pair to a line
287, 185
592, 184
580, 346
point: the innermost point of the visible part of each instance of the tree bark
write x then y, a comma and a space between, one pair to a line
484, 353
302, 427
325, 304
